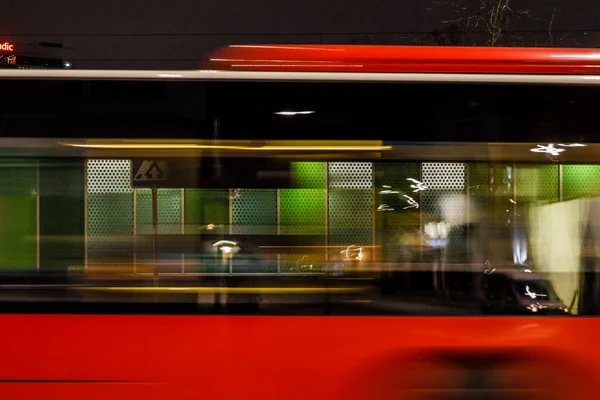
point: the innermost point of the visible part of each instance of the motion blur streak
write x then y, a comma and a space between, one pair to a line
166, 146
223, 290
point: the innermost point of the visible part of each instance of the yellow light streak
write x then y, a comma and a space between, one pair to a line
192, 146
226, 290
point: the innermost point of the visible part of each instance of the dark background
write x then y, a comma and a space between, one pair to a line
159, 34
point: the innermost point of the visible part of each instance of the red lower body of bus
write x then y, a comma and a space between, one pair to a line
232, 357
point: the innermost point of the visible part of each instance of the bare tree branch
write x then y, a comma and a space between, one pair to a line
550, 27
494, 17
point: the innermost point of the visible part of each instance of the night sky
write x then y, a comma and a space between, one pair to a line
176, 33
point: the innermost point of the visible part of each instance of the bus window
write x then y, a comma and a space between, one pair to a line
496, 287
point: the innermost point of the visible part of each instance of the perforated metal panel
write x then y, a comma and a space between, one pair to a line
302, 211
169, 211
444, 175
109, 176
350, 175
254, 211
110, 209
580, 180
309, 175
537, 182
351, 205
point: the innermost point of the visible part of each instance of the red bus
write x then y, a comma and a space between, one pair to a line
340, 222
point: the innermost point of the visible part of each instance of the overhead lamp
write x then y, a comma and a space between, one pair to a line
293, 113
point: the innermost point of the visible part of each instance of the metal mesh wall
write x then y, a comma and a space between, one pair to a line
444, 176
169, 223
350, 203
580, 180
350, 175
169, 211
254, 211
110, 210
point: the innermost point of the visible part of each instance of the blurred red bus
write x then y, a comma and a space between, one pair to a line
345, 222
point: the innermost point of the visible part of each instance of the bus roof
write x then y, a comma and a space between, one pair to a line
404, 59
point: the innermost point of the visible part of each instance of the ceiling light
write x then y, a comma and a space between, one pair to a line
293, 113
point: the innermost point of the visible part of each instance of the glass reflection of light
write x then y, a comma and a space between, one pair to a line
531, 294
411, 203
519, 248
437, 234
534, 307
352, 252
418, 186
437, 243
388, 190
549, 149
226, 246
571, 145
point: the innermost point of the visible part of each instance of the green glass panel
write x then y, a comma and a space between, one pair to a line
478, 188
206, 215
302, 211
396, 220
537, 183
309, 175
204, 207
18, 185
62, 212
478, 179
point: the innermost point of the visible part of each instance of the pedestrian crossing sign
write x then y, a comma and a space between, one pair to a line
150, 172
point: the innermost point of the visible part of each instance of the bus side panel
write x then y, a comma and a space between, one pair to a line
158, 357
